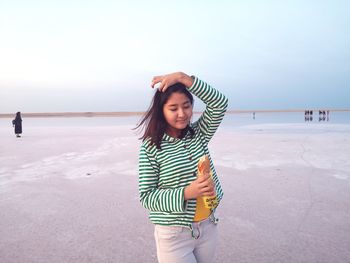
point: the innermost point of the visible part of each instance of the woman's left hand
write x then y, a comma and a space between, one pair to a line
171, 79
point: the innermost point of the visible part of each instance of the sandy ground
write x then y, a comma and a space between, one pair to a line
69, 194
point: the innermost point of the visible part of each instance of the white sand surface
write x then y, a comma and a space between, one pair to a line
70, 194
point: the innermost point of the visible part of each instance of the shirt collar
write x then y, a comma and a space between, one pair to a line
168, 138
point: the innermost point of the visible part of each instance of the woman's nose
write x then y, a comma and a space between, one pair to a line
181, 112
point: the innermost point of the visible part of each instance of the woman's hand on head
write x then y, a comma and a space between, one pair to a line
165, 81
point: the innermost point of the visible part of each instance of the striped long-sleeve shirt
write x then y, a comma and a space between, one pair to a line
164, 173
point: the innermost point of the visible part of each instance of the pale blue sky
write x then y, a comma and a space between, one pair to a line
101, 55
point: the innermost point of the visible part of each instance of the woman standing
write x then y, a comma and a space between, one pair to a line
17, 123
185, 230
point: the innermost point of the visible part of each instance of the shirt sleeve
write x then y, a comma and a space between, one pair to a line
216, 105
154, 198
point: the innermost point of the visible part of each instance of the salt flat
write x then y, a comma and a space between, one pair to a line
70, 194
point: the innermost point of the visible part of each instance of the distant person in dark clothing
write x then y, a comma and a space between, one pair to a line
17, 123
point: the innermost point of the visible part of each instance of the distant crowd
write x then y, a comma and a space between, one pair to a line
323, 115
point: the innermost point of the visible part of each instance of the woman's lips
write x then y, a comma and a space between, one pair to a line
182, 121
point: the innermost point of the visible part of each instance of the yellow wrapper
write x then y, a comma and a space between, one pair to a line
210, 201
204, 167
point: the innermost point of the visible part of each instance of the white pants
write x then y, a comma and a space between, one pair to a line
175, 244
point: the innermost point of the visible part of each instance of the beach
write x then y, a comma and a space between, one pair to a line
69, 193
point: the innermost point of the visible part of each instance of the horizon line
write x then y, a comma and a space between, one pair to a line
136, 113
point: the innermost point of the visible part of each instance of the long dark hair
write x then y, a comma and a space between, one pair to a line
153, 122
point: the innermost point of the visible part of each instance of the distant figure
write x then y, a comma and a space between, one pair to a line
253, 115
308, 115
321, 115
17, 123
327, 115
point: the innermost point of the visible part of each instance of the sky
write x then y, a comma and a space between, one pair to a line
96, 55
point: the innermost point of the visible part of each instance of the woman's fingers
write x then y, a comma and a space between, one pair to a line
165, 81
200, 187
203, 178
208, 191
168, 80
156, 80
163, 86
209, 194
206, 187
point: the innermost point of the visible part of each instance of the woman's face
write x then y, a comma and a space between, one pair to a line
177, 113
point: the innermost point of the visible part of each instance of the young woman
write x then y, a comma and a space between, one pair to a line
17, 123
185, 231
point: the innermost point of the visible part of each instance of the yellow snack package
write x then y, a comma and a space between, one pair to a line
204, 168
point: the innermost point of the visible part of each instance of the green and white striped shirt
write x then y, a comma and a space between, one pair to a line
164, 173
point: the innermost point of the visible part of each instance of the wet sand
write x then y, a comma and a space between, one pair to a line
69, 194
